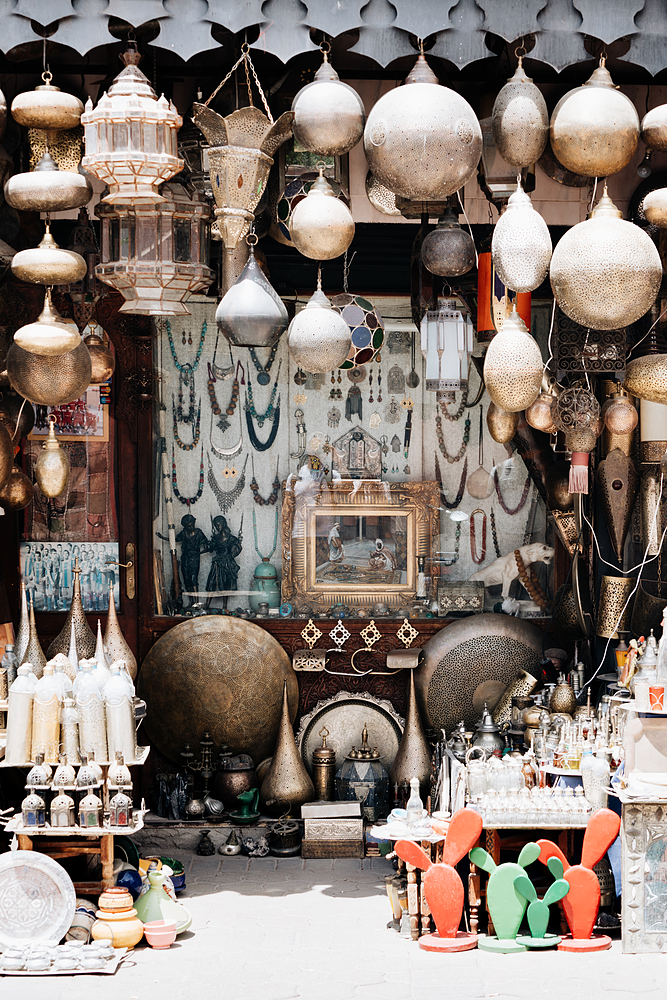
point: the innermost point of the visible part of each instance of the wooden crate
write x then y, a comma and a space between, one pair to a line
332, 849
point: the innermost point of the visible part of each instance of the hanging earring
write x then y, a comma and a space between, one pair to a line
183, 337
370, 382
379, 384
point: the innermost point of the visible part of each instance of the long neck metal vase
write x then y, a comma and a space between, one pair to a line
114, 640
34, 654
287, 784
23, 633
85, 637
413, 759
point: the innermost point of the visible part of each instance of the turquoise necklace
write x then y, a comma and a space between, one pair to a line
275, 538
187, 369
250, 403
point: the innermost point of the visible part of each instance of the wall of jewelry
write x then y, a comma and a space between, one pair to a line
233, 424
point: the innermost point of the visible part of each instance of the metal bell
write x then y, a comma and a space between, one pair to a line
319, 339
521, 244
50, 334
422, 141
251, 313
520, 120
449, 250
605, 272
329, 115
513, 366
594, 128
321, 226
48, 264
52, 465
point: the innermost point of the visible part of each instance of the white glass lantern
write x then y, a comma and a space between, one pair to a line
131, 137
446, 345
155, 255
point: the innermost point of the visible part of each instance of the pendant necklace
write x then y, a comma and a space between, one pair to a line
457, 547
501, 501
441, 440
250, 402
188, 501
224, 454
195, 430
477, 557
223, 422
222, 373
265, 559
186, 374
462, 485
273, 496
263, 377
226, 498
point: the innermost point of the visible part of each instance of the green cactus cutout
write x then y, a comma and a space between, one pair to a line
538, 909
506, 904
555, 866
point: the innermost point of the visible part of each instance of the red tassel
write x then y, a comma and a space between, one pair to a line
578, 473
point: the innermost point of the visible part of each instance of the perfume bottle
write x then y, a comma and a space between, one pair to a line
415, 806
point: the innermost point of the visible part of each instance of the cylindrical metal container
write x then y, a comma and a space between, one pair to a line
324, 769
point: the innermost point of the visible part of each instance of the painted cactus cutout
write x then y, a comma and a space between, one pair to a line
538, 909
506, 904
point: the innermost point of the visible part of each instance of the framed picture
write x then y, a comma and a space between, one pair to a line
357, 543
84, 418
47, 571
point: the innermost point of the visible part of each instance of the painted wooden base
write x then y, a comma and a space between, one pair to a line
548, 941
504, 946
462, 942
600, 942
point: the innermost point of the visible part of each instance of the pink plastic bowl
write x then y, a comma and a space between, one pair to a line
160, 933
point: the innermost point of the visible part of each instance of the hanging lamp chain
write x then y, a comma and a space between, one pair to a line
248, 64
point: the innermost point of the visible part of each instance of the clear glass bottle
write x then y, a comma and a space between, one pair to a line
415, 806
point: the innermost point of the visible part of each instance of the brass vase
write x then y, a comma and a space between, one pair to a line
413, 759
287, 784
114, 640
85, 638
23, 631
34, 654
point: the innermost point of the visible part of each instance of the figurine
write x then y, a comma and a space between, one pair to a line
224, 568
505, 569
193, 543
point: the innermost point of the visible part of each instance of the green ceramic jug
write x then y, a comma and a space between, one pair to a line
156, 905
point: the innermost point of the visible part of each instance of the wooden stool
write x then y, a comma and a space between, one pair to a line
72, 846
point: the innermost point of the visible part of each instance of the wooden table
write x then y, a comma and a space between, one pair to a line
74, 845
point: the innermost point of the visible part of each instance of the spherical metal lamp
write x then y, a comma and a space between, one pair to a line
520, 120
47, 107
48, 189
318, 337
49, 380
321, 226
329, 115
49, 334
448, 250
513, 366
48, 264
52, 465
521, 245
251, 313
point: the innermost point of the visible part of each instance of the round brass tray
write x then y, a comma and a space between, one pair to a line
344, 716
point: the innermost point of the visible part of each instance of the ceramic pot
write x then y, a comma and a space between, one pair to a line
115, 899
237, 776
156, 905
160, 934
121, 928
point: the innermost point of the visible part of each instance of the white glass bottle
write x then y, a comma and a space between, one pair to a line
47, 705
415, 806
595, 779
19, 717
60, 664
90, 705
119, 706
69, 731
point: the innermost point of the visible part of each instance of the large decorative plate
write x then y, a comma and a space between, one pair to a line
37, 900
220, 675
344, 716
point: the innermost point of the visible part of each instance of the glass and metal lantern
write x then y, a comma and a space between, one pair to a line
446, 345
155, 254
90, 810
63, 812
131, 137
362, 778
120, 809
33, 809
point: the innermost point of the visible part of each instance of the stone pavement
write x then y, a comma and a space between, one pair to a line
267, 929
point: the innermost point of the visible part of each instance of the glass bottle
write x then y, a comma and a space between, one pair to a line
10, 664
119, 707
59, 663
69, 731
47, 705
92, 722
415, 806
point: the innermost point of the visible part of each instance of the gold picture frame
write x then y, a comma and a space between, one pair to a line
357, 543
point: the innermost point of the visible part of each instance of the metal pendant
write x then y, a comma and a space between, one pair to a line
619, 482
263, 378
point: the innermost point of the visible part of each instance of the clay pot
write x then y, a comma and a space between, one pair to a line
115, 900
122, 928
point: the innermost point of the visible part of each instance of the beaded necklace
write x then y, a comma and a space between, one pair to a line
501, 501
481, 556
263, 376
462, 485
195, 430
494, 534
530, 583
187, 369
254, 440
226, 498
275, 538
273, 496
183, 381
462, 405
188, 501
441, 440
223, 422
250, 402
457, 546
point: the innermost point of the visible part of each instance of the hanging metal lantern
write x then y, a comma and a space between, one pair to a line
502, 425
130, 137
655, 207
366, 328
48, 264
318, 337
646, 378
447, 342
329, 115
52, 465
49, 380
449, 250
47, 107
422, 141
380, 197
521, 244
251, 313
16, 413
539, 414
85, 292
513, 366
594, 128
241, 147
102, 360
321, 226
48, 189
605, 272
17, 492
654, 129
576, 412
619, 413
49, 334
155, 254
520, 120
